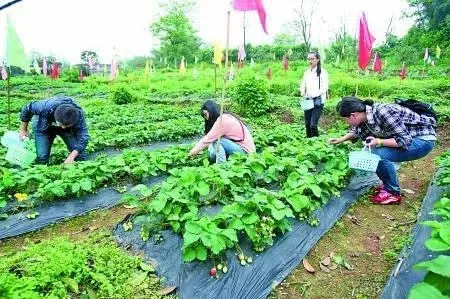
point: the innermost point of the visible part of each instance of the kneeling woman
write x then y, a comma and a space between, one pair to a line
233, 133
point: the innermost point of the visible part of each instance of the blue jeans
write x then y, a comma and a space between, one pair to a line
386, 172
44, 141
226, 148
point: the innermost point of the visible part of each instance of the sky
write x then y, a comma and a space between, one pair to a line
63, 28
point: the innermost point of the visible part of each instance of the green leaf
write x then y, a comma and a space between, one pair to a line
433, 224
203, 188
250, 218
3, 216
189, 254
146, 267
158, 204
438, 281
436, 244
2, 203
298, 201
91, 293
230, 234
217, 244
258, 168
86, 184
444, 233
236, 224
425, 290
76, 187
251, 233
137, 278
278, 214
193, 227
189, 238
200, 252
439, 265
315, 190
71, 283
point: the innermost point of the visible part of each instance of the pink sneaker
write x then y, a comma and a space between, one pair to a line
386, 198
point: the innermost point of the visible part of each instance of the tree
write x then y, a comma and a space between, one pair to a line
87, 53
284, 39
430, 14
176, 34
302, 25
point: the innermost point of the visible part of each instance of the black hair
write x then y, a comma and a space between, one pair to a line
67, 114
214, 113
319, 66
350, 105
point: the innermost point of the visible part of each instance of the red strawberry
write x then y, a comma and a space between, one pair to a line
213, 271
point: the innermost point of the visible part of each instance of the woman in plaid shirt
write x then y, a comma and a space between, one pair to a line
395, 133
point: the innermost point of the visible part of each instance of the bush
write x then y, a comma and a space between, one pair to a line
251, 93
121, 95
72, 75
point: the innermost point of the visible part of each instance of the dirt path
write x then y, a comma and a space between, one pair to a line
369, 237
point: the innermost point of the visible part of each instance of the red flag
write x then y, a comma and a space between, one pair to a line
55, 71
257, 5
365, 43
285, 62
403, 71
377, 66
269, 73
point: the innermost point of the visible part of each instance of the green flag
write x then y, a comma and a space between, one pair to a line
15, 54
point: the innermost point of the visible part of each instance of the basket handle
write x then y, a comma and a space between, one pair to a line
366, 146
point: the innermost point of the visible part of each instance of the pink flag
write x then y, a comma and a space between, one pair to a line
44, 66
365, 43
377, 66
403, 71
112, 74
285, 62
4, 73
81, 75
55, 71
257, 5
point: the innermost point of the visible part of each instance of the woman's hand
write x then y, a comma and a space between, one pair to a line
335, 141
371, 141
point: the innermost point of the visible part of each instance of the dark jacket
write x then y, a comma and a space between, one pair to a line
45, 110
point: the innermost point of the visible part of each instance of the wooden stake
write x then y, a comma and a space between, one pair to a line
8, 87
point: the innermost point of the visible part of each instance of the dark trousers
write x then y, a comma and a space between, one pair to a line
44, 141
312, 120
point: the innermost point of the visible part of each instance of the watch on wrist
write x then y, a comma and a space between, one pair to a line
379, 142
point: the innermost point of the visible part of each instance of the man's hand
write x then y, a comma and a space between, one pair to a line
23, 134
69, 160
192, 154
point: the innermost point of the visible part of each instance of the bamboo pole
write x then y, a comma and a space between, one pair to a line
8, 90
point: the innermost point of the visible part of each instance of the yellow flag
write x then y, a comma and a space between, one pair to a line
218, 54
438, 52
182, 67
147, 69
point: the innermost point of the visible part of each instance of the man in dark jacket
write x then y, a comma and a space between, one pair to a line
56, 116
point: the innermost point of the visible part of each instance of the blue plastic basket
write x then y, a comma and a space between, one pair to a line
306, 104
363, 160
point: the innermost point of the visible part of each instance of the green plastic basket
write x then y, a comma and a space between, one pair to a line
20, 156
363, 160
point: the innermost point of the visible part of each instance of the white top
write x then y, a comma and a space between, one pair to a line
309, 86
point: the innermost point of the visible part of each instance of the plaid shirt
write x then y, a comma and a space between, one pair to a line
394, 121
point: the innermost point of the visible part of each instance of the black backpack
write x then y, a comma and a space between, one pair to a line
418, 107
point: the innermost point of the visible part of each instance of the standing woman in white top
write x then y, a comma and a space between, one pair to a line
314, 86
